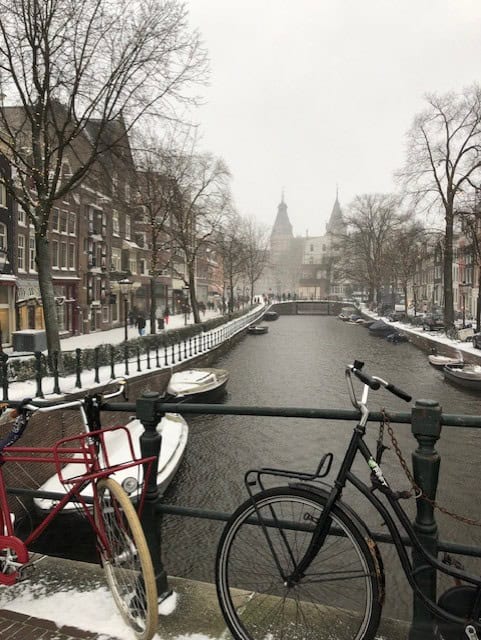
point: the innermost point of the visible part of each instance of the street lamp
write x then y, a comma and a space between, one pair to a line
463, 286
125, 285
186, 303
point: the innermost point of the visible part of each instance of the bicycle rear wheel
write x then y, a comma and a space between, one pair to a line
340, 594
126, 559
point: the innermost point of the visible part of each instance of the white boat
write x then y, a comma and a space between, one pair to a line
439, 362
198, 385
174, 431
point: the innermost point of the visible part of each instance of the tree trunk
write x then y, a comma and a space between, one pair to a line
153, 305
478, 303
193, 297
48, 296
448, 270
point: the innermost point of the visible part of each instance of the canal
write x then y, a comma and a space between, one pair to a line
300, 362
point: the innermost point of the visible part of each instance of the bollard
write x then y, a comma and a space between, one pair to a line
426, 428
38, 374
78, 367
150, 443
4, 374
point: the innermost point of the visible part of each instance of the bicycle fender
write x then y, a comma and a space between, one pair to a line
12, 543
363, 530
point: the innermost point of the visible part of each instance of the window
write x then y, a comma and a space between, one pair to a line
133, 264
105, 314
3, 236
63, 222
127, 227
72, 220
32, 266
21, 253
71, 256
312, 247
55, 254
115, 223
127, 192
116, 260
63, 255
141, 239
3, 195
21, 216
55, 220
142, 266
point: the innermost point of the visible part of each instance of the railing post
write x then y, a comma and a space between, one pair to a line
78, 367
426, 428
56, 385
4, 374
96, 364
112, 361
126, 358
139, 368
150, 443
38, 374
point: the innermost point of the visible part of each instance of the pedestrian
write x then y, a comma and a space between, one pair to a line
166, 315
141, 322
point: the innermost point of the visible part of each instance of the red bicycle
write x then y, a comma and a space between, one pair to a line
121, 543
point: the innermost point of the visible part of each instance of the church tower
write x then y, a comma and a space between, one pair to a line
336, 223
281, 235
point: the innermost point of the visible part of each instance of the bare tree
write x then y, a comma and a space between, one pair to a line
77, 75
443, 160
256, 253
230, 245
370, 221
404, 252
199, 204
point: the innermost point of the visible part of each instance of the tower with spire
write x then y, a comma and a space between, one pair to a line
281, 234
335, 223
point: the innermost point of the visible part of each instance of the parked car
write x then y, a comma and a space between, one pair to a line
432, 322
477, 340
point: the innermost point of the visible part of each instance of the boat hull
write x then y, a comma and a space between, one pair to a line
257, 329
198, 385
174, 431
439, 362
466, 376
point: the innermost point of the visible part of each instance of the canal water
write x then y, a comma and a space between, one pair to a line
300, 362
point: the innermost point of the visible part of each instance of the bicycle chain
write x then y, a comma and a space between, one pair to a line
418, 492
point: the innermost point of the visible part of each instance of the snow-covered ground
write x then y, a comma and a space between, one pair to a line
28, 388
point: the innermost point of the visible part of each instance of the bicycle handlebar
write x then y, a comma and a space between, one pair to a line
373, 382
44, 406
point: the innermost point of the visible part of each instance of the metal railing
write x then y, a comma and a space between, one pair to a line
426, 420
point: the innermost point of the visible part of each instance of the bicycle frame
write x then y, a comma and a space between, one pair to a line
378, 483
87, 449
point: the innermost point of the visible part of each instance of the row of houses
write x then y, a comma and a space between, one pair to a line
97, 237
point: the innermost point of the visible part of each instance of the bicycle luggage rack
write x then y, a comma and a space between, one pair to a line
82, 454
323, 469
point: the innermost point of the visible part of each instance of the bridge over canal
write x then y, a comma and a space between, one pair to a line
309, 307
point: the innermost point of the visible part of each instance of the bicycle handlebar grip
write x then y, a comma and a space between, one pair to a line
364, 377
399, 392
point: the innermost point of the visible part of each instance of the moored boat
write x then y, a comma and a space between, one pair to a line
174, 431
257, 329
380, 328
198, 385
270, 315
439, 361
464, 375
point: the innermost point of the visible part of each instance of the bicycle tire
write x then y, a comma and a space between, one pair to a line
257, 603
126, 562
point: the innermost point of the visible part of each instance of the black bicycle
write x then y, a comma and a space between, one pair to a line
296, 562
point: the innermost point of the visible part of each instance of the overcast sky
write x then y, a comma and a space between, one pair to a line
309, 94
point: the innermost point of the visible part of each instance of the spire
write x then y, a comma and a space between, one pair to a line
282, 225
336, 222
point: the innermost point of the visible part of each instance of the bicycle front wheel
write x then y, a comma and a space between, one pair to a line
338, 596
126, 559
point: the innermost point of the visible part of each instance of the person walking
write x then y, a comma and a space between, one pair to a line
166, 315
141, 322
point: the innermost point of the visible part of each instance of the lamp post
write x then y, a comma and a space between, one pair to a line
125, 285
463, 286
186, 304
